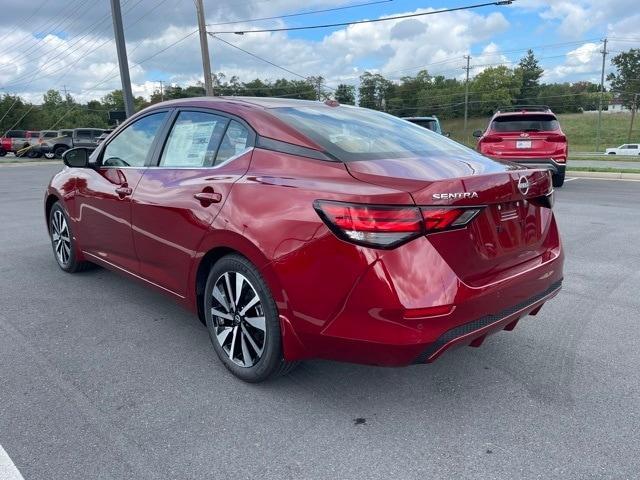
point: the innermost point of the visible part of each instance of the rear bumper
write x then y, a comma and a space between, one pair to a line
548, 164
381, 320
473, 333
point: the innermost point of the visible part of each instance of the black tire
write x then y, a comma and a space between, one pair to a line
59, 151
67, 261
3, 152
558, 179
21, 152
225, 333
31, 153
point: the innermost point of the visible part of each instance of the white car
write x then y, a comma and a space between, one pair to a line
626, 149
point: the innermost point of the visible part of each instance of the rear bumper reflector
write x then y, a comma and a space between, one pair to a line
467, 328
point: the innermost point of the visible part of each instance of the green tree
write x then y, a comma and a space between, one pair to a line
346, 94
374, 91
626, 81
493, 88
530, 71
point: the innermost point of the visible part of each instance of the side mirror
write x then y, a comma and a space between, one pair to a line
76, 157
477, 133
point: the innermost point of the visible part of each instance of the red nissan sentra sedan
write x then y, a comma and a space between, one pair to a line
297, 229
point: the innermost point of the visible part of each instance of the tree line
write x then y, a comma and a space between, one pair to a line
418, 95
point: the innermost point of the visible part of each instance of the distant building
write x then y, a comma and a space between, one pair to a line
615, 106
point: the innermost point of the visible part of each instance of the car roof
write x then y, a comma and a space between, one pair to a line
264, 102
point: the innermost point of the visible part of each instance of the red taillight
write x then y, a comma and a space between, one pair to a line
388, 226
491, 139
556, 138
436, 219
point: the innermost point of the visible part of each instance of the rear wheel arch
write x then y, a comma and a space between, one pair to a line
230, 243
51, 200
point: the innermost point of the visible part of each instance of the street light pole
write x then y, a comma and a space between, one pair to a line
204, 49
121, 48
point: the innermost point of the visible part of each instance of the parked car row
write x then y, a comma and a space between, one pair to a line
50, 143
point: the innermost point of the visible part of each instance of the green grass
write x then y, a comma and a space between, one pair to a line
605, 170
580, 129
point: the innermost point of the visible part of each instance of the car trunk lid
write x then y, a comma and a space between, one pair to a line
511, 229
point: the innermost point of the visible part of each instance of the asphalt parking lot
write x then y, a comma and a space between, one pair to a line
103, 378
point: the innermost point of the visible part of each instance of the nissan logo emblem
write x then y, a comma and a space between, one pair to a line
523, 185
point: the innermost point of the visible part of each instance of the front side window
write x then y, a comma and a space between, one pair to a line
131, 147
193, 140
235, 141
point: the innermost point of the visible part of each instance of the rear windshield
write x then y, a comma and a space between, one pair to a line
352, 133
525, 123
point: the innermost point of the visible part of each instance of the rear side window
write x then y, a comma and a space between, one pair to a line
525, 123
234, 142
352, 133
50, 134
131, 147
193, 140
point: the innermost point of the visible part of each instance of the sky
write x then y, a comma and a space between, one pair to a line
68, 44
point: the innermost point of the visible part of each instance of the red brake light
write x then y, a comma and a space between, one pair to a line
556, 137
381, 226
371, 225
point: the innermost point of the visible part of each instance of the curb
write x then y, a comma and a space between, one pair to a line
607, 175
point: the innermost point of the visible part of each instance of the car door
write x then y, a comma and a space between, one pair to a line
104, 192
204, 154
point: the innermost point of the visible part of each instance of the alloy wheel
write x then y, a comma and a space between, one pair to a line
60, 237
238, 319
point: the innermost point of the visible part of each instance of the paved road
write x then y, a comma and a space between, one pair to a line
101, 378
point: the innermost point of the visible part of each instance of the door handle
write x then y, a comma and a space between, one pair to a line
207, 198
124, 191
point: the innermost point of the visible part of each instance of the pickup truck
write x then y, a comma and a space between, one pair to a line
13, 141
80, 137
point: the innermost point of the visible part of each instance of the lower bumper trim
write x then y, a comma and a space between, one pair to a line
467, 328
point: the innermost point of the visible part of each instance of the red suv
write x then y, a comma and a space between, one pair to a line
528, 135
297, 229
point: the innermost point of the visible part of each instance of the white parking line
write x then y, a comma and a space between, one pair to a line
570, 179
8, 470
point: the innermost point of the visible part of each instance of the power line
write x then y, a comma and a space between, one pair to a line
300, 14
375, 20
265, 60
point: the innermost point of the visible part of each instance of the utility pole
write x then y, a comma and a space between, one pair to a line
64, 89
204, 49
466, 94
634, 107
319, 88
161, 82
604, 57
121, 48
